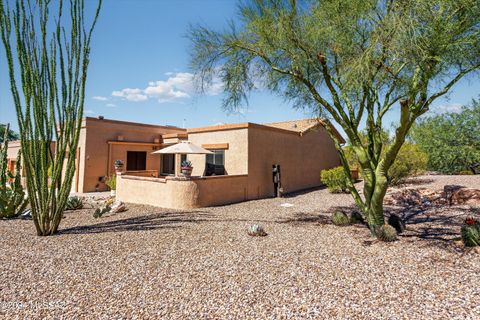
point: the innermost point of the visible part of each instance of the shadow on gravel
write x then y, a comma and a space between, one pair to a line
301, 217
142, 223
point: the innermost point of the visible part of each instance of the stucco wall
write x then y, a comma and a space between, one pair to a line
301, 159
182, 194
95, 161
236, 156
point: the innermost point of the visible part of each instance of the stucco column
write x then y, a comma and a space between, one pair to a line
177, 164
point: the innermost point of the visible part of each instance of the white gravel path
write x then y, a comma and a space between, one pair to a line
150, 263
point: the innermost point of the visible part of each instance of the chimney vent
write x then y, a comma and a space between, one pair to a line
100, 118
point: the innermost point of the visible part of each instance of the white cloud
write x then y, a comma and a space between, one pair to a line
100, 98
111, 105
130, 94
177, 87
89, 111
444, 108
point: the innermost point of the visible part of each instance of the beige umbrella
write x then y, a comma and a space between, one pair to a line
184, 147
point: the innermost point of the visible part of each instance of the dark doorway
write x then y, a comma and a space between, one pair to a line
136, 160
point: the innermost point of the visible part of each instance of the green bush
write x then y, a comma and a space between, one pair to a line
335, 179
410, 161
112, 182
451, 140
340, 218
12, 197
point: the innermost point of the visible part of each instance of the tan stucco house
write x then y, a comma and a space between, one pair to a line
239, 169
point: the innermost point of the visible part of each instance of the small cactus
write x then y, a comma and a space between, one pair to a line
471, 232
340, 218
256, 231
99, 212
74, 203
386, 233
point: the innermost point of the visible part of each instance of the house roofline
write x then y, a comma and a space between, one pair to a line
246, 125
85, 119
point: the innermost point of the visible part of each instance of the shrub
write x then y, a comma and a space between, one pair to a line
112, 182
74, 203
340, 218
386, 233
471, 233
410, 161
335, 179
451, 140
12, 197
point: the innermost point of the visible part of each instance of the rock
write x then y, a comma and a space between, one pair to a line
256, 231
117, 207
397, 223
465, 196
26, 215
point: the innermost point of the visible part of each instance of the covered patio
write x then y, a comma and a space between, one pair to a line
180, 191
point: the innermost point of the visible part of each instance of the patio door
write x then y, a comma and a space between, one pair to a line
168, 163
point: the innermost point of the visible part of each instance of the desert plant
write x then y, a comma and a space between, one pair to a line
471, 232
352, 61
12, 195
386, 233
99, 212
186, 164
335, 179
340, 218
74, 203
51, 58
111, 182
456, 143
410, 161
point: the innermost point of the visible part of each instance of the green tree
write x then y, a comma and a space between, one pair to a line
12, 135
451, 140
50, 61
350, 60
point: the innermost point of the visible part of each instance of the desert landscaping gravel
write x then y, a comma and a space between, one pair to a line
152, 263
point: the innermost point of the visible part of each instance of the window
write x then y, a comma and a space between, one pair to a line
136, 160
215, 163
217, 157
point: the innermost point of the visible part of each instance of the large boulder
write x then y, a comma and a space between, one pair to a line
460, 195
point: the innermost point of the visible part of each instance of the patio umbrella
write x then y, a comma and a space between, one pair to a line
184, 147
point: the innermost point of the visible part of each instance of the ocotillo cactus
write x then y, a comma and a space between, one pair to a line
52, 65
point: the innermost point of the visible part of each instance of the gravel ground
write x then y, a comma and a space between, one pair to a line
151, 263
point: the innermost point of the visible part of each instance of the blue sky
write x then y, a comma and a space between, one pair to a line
139, 69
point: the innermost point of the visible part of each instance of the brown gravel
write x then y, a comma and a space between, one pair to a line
150, 263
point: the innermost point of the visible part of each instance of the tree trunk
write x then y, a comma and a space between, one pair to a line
375, 215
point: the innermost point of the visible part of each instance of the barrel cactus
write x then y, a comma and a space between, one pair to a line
74, 203
386, 233
471, 232
340, 218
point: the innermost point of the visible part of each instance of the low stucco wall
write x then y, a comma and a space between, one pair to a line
182, 194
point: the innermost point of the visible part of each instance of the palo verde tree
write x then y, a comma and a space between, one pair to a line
47, 64
352, 61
